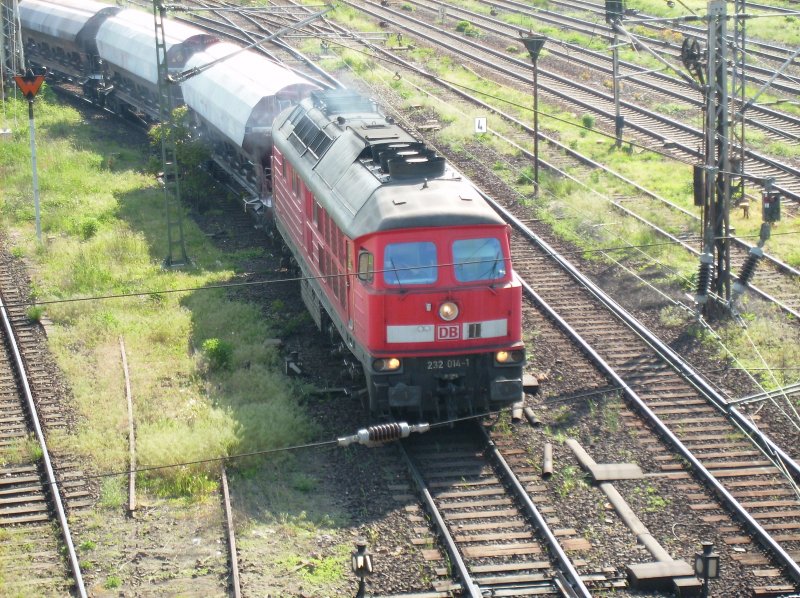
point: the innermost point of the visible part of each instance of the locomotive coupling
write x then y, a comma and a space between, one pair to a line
377, 435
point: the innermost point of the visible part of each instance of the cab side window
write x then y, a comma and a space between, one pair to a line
366, 266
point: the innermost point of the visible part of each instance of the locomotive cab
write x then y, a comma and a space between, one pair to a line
437, 312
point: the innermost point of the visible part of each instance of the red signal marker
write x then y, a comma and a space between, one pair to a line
29, 84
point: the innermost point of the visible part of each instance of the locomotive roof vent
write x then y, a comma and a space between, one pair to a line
341, 101
391, 149
408, 160
409, 155
416, 167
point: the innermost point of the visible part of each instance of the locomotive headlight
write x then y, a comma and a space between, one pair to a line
509, 357
388, 364
448, 311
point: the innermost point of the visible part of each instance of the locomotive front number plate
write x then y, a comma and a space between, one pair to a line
447, 364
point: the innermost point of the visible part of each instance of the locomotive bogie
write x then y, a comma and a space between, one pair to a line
457, 383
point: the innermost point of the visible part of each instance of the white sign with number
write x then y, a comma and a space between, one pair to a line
480, 124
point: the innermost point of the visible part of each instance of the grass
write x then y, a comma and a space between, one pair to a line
21, 451
102, 221
570, 478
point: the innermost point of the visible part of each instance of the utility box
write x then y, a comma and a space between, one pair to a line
771, 206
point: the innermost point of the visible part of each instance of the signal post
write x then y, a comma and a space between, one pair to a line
29, 84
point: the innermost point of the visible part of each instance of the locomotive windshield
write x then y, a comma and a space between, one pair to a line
409, 263
478, 259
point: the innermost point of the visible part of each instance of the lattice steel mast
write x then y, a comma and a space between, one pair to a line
12, 53
715, 259
176, 246
738, 97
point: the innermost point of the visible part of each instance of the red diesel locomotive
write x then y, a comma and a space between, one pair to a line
403, 256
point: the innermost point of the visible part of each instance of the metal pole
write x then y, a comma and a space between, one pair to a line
535, 128
35, 174
615, 69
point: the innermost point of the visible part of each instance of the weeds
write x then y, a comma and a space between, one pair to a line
570, 478
219, 353
112, 582
468, 29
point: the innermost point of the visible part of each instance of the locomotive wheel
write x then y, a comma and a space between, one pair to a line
369, 401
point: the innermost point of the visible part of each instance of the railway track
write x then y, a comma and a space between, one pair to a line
655, 129
725, 450
759, 51
33, 499
737, 475
778, 126
497, 539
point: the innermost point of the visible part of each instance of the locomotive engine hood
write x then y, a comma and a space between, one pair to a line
369, 173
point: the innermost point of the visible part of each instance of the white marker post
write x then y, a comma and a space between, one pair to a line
30, 84
480, 125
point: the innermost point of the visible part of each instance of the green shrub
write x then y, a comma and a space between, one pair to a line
88, 228
587, 120
467, 29
525, 176
112, 582
218, 352
34, 313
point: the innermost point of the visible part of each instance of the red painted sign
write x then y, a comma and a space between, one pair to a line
448, 332
29, 84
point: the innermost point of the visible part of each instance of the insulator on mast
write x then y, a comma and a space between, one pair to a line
749, 268
375, 435
704, 278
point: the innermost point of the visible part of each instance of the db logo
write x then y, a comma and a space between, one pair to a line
448, 333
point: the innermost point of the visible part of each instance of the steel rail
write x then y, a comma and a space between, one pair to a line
653, 81
469, 586
680, 127
684, 369
332, 81
52, 484
761, 49
576, 585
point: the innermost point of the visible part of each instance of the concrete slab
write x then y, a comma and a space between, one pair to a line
657, 576
687, 587
609, 472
